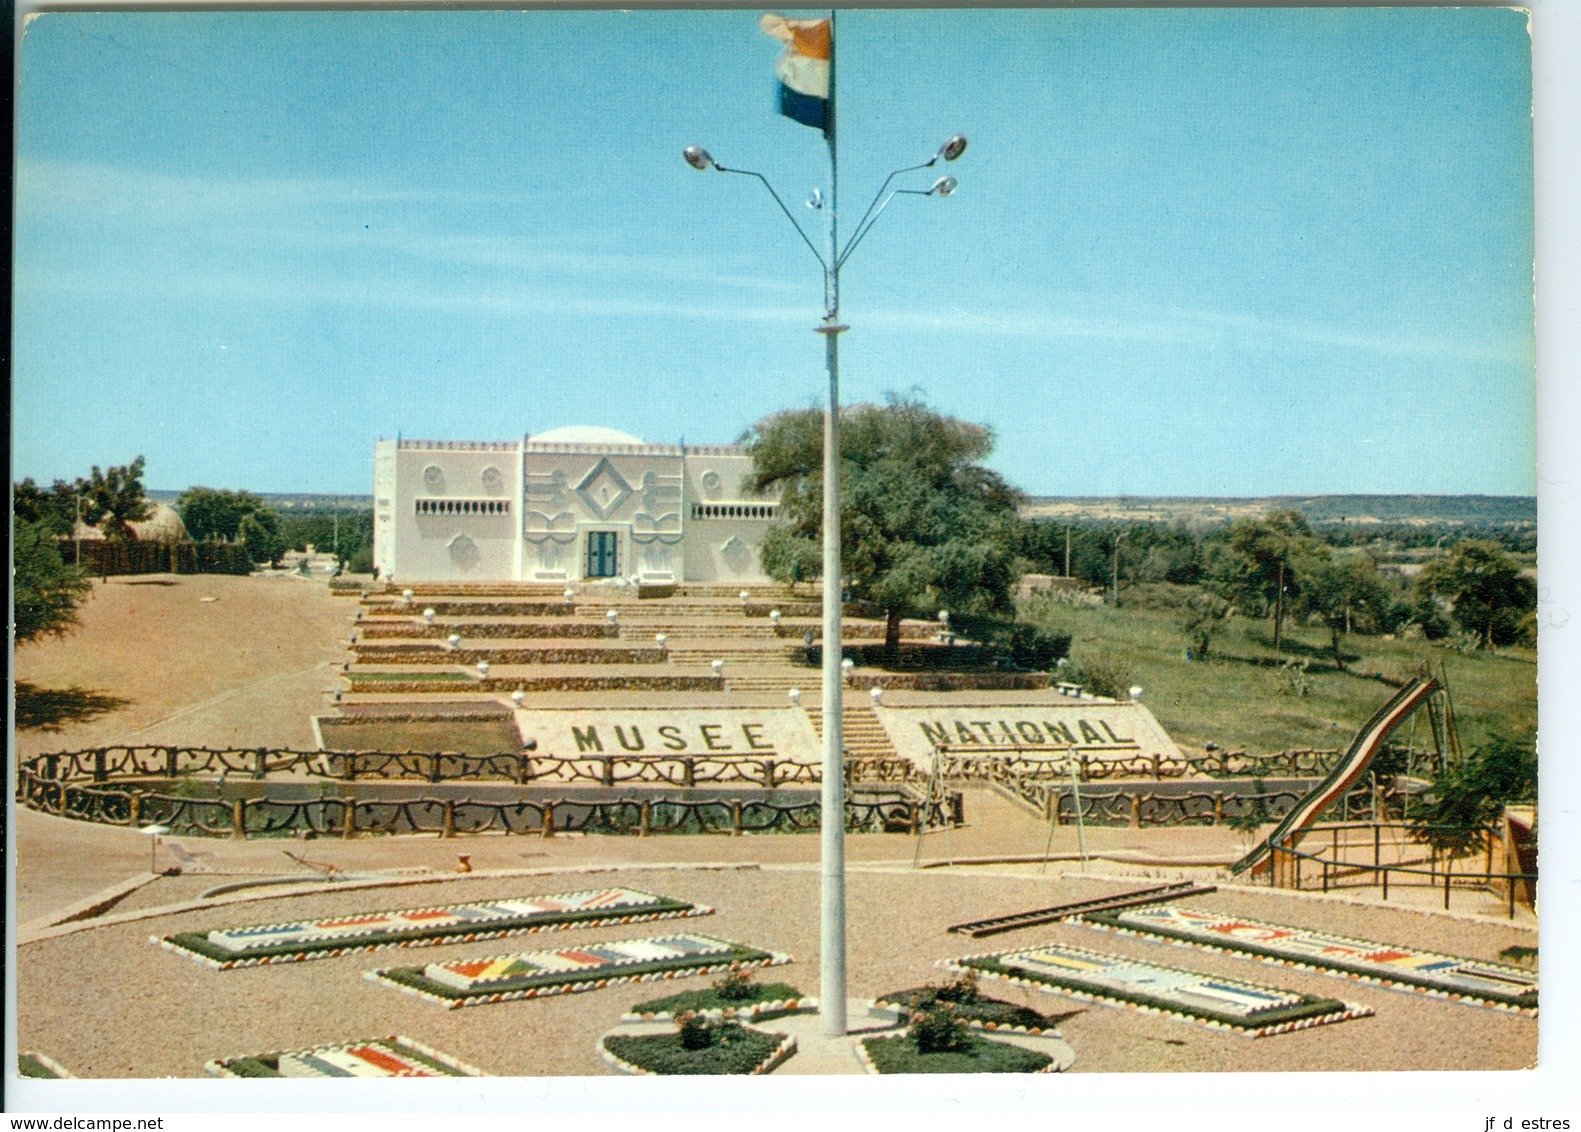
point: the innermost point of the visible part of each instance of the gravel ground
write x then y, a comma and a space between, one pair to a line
99, 1026
249, 668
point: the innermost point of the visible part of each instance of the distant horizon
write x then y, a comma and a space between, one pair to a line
153, 492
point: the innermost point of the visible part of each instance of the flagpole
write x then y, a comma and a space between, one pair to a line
800, 92
832, 986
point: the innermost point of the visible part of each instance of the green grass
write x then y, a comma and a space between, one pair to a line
711, 999
980, 1009
899, 1054
735, 1050
1235, 700
29, 1066
462, 736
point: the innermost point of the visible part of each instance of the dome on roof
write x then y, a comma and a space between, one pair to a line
586, 434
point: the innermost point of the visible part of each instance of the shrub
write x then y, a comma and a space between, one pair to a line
1032, 647
1106, 674
1293, 678
962, 990
978, 1055
735, 986
937, 1030
1254, 811
696, 1032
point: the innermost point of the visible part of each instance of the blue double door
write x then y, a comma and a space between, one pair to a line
603, 559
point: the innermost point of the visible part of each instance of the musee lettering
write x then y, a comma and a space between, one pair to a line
669, 737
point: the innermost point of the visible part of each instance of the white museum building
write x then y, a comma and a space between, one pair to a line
568, 505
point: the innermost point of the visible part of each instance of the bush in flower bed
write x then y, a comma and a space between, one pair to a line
736, 992
967, 1004
972, 1054
699, 1046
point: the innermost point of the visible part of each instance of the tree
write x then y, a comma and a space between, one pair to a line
260, 532
1269, 560
1201, 618
1483, 587
924, 526
215, 514
47, 591
113, 500
1347, 593
56, 508
1467, 798
211, 514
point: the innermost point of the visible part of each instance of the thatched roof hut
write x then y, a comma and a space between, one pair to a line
163, 525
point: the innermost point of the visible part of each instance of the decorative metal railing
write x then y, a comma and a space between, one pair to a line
127, 786
1340, 859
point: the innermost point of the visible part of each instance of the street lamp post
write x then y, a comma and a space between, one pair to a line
832, 982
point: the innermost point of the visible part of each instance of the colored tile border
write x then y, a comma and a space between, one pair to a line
1290, 1010
538, 974
375, 1058
329, 936
41, 1067
1359, 960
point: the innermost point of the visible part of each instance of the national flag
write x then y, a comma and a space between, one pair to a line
803, 70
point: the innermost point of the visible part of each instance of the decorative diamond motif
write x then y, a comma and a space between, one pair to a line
603, 489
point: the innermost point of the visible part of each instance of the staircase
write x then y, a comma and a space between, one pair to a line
864, 735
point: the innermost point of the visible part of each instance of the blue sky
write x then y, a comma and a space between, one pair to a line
1194, 252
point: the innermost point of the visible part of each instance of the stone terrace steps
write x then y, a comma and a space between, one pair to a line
864, 735
770, 654
764, 679
469, 652
495, 629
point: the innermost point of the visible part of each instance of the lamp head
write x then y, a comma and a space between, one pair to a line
943, 187
953, 148
697, 157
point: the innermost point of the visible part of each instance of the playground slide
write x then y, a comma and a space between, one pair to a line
1351, 766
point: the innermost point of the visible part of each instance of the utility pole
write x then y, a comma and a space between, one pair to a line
1116, 569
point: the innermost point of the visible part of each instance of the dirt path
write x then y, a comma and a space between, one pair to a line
178, 658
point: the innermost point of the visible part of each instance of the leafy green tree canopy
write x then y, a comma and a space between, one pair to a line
1345, 593
56, 508
1469, 797
215, 514
113, 500
227, 516
47, 591
260, 532
1269, 561
1484, 588
924, 526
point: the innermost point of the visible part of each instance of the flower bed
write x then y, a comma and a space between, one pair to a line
1225, 1004
382, 1057
418, 927
978, 1012
736, 1050
37, 1065
1400, 968
899, 1054
761, 1000
501, 978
